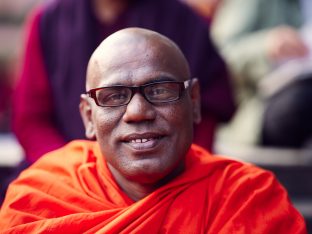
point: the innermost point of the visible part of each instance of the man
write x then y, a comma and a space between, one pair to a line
141, 174
52, 79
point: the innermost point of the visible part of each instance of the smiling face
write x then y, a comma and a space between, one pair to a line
141, 142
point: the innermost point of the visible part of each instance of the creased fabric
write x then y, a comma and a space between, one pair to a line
71, 190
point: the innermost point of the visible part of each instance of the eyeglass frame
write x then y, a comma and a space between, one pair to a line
140, 89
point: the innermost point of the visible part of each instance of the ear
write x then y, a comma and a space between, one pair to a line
85, 108
195, 97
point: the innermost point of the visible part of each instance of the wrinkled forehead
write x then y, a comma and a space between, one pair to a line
126, 56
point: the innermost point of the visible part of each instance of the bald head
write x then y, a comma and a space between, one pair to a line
135, 47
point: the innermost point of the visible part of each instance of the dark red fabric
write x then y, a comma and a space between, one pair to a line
32, 120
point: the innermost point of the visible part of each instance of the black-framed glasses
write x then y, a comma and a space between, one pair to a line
155, 93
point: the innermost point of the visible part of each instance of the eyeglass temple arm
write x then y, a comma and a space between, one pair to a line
188, 83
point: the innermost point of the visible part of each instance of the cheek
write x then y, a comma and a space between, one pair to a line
180, 121
105, 122
181, 117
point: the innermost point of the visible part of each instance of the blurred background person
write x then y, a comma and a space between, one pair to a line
257, 39
12, 16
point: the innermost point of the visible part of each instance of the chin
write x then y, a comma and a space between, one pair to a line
147, 179
149, 173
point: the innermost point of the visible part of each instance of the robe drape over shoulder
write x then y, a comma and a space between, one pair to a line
71, 190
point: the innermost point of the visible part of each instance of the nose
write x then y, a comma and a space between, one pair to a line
139, 109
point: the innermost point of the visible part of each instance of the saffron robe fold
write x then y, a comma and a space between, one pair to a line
71, 190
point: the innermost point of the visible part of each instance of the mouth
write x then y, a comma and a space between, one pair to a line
144, 141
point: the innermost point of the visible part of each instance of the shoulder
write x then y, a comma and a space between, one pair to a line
57, 12
41, 191
63, 164
73, 154
231, 173
238, 191
59, 169
51, 6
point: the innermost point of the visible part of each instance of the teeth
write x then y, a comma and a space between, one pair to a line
143, 140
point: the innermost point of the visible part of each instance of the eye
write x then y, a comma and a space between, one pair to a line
117, 96
162, 92
157, 91
112, 96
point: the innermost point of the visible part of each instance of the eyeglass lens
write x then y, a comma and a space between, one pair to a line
155, 93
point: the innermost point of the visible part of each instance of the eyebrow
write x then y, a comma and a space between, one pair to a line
154, 79
161, 78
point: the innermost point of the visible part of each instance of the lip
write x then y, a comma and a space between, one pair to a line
146, 141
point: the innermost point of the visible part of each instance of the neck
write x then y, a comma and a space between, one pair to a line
108, 11
137, 190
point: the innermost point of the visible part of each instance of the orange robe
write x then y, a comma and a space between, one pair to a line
72, 191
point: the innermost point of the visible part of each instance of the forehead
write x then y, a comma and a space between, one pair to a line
135, 61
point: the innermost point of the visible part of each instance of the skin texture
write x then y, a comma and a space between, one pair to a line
136, 56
